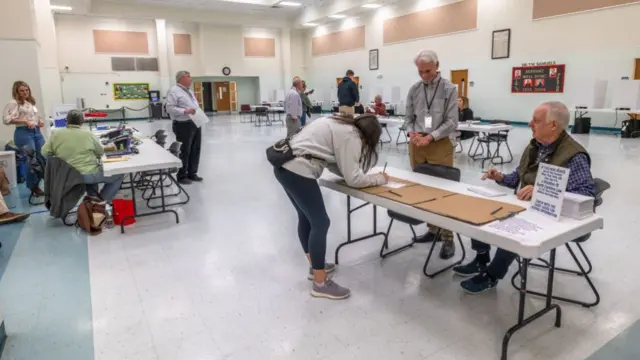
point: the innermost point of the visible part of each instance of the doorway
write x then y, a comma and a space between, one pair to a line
207, 97
223, 99
461, 78
637, 74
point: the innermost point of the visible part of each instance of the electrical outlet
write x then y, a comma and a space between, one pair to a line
107, 106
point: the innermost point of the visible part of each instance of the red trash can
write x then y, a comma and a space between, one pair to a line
121, 209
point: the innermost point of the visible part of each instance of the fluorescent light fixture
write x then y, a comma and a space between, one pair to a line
338, 16
61, 8
310, 24
371, 6
289, 3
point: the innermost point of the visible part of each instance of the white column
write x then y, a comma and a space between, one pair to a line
48, 59
19, 48
163, 56
285, 53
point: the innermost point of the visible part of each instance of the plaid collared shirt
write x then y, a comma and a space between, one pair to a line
580, 178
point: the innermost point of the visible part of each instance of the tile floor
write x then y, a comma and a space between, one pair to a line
229, 281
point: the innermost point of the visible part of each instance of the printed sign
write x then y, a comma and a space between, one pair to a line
549, 189
538, 79
60, 111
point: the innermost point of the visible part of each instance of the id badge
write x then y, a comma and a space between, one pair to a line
428, 122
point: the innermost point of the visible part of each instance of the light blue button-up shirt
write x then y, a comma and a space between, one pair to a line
179, 99
293, 103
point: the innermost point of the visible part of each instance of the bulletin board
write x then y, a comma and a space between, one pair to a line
538, 79
130, 91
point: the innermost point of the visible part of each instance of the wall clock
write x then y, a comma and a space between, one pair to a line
226, 71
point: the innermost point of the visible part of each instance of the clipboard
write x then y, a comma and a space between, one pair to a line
470, 209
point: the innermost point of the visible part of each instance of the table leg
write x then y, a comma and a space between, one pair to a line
440, 271
522, 321
351, 241
181, 190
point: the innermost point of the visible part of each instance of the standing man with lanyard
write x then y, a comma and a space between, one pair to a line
181, 103
431, 118
293, 107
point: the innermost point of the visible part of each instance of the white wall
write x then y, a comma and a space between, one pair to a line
593, 45
224, 46
191, 63
88, 73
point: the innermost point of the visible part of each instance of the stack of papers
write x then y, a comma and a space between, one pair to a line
394, 185
484, 191
577, 206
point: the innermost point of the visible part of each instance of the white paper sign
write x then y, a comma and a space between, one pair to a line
516, 227
199, 118
395, 185
549, 189
60, 110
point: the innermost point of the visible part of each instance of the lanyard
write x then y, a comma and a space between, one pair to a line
190, 95
429, 103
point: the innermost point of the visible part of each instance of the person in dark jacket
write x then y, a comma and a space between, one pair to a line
348, 95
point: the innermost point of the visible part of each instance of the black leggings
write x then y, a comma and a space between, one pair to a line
313, 221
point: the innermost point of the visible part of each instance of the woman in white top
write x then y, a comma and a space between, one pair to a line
21, 112
346, 146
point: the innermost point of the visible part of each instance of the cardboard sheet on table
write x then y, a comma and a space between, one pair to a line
470, 209
411, 195
380, 189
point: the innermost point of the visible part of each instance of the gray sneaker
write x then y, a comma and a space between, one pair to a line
330, 290
328, 268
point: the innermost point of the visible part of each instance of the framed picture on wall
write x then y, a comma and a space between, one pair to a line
373, 59
501, 44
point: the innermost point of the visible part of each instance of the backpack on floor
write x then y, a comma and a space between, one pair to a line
4, 183
92, 214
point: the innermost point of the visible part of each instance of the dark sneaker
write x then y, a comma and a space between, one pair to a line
330, 290
473, 268
328, 268
479, 283
447, 250
9, 217
426, 238
195, 177
184, 181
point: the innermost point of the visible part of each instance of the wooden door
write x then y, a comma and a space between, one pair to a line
461, 78
637, 75
197, 90
233, 94
223, 99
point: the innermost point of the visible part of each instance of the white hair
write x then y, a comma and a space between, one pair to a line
428, 56
296, 80
559, 112
180, 74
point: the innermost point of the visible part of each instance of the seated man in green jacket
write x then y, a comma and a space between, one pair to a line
82, 150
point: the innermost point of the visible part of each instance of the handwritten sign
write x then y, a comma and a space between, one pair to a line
549, 189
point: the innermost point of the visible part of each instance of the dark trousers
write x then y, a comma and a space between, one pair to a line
313, 221
303, 119
501, 262
191, 137
33, 139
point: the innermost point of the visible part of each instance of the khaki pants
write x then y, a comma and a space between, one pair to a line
293, 124
438, 153
3, 206
347, 110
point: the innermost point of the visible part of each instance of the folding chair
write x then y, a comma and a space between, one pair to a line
440, 171
245, 109
601, 187
261, 113
37, 165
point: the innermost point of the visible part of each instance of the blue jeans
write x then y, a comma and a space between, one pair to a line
23, 136
303, 119
499, 267
313, 221
111, 184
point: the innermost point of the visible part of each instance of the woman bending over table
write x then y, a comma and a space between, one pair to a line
347, 146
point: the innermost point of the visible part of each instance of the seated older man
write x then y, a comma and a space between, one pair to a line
550, 144
378, 107
82, 150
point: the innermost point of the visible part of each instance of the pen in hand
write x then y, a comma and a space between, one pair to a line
385, 167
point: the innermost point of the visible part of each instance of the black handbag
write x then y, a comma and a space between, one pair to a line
280, 153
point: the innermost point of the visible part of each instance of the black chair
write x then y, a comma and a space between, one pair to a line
37, 165
440, 171
601, 187
261, 112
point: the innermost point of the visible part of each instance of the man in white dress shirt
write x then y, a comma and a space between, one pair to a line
181, 102
293, 107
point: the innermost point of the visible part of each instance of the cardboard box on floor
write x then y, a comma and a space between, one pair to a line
471, 209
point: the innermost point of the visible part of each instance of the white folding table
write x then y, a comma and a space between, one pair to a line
555, 234
151, 158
